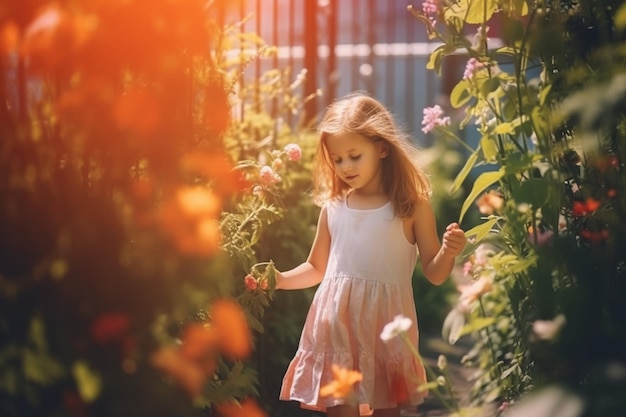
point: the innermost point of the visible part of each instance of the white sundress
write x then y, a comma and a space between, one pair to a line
367, 283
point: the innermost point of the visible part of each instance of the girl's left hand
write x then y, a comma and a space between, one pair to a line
453, 240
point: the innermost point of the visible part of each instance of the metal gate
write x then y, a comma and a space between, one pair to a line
348, 45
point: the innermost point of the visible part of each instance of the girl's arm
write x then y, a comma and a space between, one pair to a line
437, 259
311, 272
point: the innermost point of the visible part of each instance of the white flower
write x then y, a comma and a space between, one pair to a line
442, 362
548, 329
399, 325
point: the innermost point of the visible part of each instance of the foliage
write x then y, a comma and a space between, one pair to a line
544, 300
125, 222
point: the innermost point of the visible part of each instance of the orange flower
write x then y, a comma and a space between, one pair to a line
137, 111
54, 38
189, 219
198, 340
187, 373
246, 408
9, 38
341, 385
490, 202
229, 321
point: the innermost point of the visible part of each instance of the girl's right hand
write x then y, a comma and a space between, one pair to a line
453, 240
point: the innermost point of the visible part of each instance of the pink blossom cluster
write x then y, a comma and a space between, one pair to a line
293, 151
432, 118
471, 67
431, 10
268, 175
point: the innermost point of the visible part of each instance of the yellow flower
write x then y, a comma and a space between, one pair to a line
341, 385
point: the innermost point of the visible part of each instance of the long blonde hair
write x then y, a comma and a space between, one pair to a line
403, 181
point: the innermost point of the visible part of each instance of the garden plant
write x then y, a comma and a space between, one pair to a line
137, 173
545, 305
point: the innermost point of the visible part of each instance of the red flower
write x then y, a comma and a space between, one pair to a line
589, 206
110, 327
595, 236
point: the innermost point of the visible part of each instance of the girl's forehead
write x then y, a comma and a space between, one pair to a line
344, 142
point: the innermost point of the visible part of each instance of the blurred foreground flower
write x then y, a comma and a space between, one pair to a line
341, 385
549, 329
245, 408
542, 237
400, 324
191, 363
185, 372
229, 321
189, 219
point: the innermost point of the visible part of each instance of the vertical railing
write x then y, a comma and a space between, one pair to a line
346, 45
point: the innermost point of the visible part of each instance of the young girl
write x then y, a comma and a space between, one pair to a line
375, 217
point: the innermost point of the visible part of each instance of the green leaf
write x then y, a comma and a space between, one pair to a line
479, 232
620, 17
41, 368
489, 148
515, 8
271, 279
435, 59
461, 94
88, 382
505, 128
469, 164
471, 11
543, 95
477, 324
486, 85
483, 181
534, 191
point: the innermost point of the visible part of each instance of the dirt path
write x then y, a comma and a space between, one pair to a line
431, 347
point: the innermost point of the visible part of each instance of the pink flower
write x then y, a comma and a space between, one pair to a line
473, 291
471, 67
432, 118
467, 268
294, 153
431, 10
268, 175
250, 282
543, 236
264, 284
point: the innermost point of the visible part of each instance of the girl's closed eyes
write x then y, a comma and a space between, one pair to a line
353, 158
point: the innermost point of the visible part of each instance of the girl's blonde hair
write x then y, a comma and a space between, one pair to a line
403, 181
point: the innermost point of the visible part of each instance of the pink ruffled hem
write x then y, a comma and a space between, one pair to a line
388, 382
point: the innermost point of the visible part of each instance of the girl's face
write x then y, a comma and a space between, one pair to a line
357, 160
